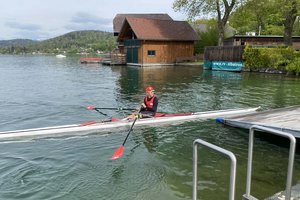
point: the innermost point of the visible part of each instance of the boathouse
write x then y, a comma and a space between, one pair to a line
120, 19
260, 41
151, 41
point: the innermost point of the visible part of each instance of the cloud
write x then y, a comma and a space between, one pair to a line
46, 18
82, 17
24, 30
86, 21
23, 26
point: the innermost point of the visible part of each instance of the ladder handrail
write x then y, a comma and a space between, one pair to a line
221, 150
290, 163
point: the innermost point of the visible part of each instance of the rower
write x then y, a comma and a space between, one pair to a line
149, 106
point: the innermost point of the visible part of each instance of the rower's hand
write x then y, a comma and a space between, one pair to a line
143, 105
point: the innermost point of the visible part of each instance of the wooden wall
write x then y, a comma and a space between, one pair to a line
224, 53
166, 52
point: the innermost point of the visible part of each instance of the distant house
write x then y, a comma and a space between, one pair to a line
204, 27
260, 41
230, 56
151, 41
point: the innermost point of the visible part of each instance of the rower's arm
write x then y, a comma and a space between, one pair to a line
155, 104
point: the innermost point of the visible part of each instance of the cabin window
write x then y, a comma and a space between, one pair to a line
151, 53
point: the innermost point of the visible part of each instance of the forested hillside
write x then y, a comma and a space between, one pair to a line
73, 42
16, 42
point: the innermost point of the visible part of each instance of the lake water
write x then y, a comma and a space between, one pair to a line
39, 91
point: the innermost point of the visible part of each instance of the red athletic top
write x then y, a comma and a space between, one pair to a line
151, 104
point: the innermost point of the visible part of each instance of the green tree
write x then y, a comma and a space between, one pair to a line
220, 9
73, 42
208, 34
264, 17
259, 16
290, 13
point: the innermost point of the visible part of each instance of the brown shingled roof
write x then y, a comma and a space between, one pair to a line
119, 19
151, 29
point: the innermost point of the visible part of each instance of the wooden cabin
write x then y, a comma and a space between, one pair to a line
149, 41
260, 41
120, 18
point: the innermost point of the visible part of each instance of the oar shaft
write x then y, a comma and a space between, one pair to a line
130, 130
100, 112
116, 108
120, 150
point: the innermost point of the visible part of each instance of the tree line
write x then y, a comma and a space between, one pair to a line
262, 16
74, 42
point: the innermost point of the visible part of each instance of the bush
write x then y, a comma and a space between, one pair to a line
254, 59
294, 66
268, 58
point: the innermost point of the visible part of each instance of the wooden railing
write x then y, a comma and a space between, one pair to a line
118, 58
115, 58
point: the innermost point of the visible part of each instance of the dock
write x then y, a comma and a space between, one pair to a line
115, 59
283, 119
281, 195
282, 122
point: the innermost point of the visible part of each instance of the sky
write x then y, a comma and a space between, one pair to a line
44, 19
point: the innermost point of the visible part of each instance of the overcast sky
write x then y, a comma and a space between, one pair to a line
44, 19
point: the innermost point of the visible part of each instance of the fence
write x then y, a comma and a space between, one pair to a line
224, 53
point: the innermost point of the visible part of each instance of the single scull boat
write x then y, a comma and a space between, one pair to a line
94, 126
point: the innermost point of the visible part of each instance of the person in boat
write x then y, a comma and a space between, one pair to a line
149, 106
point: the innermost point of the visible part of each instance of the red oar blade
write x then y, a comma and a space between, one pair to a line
118, 153
90, 107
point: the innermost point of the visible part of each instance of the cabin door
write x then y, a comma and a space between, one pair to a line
132, 55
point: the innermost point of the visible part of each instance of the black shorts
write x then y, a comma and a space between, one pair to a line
147, 114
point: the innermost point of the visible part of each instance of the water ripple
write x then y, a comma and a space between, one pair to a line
157, 162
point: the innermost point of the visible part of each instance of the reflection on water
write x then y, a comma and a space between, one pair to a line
222, 75
134, 80
157, 163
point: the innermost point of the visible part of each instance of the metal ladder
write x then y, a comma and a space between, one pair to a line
246, 196
221, 150
292, 139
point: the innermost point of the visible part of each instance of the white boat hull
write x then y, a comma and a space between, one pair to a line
79, 128
60, 56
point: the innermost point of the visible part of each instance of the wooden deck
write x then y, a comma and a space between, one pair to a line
284, 119
281, 195
115, 59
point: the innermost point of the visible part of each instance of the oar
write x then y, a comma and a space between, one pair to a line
97, 108
120, 150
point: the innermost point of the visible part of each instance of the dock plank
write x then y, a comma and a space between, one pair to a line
284, 119
281, 195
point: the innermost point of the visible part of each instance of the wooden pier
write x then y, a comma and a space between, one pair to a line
283, 119
115, 58
281, 195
